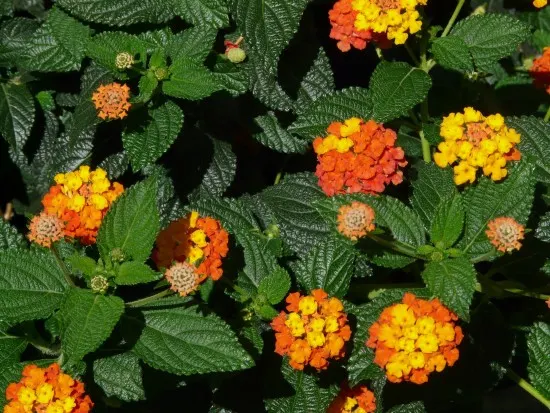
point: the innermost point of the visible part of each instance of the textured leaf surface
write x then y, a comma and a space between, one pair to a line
11, 348
194, 43
232, 213
14, 35
448, 222
120, 376
415, 407
184, 341
260, 262
453, 53
453, 281
132, 273
88, 320
146, 146
132, 222
275, 137
190, 80
221, 172
396, 88
318, 82
17, 113
538, 345
32, 285
543, 229
10, 238
202, 12
105, 47
276, 286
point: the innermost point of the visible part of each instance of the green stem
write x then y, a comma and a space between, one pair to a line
458, 8
547, 116
62, 265
143, 301
525, 385
395, 245
278, 178
426, 152
411, 54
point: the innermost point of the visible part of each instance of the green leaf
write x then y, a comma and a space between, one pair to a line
453, 53
184, 341
513, 197
195, 43
132, 273
276, 286
59, 45
339, 106
543, 229
121, 13
232, 213
146, 146
11, 348
396, 88
147, 86
414, 407
190, 80
10, 238
318, 82
275, 137
490, 37
104, 48
431, 187
230, 77
17, 113
328, 266
88, 319
14, 35
535, 143
115, 165
453, 281
120, 376
202, 12
448, 222
132, 222
82, 263
32, 285
538, 346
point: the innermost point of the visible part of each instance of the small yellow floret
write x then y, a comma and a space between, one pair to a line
307, 305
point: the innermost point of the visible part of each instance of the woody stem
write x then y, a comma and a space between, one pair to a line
525, 385
62, 265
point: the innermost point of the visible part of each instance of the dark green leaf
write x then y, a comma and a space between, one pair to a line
538, 345
275, 137
232, 213
132, 273
190, 80
202, 12
448, 222
318, 82
275, 287
452, 53
120, 376
17, 113
10, 238
11, 348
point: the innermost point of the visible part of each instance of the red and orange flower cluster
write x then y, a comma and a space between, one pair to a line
358, 156
414, 338
198, 245
112, 101
314, 330
47, 390
75, 206
540, 71
505, 234
356, 400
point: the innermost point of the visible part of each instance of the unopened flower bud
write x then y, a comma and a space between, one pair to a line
117, 255
161, 73
236, 55
99, 284
124, 60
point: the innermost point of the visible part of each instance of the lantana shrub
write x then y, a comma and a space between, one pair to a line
281, 206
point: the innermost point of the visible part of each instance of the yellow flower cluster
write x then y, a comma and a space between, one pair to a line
396, 18
540, 3
474, 142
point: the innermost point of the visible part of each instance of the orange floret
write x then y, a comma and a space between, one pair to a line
355, 220
356, 400
80, 200
539, 4
540, 71
112, 101
414, 338
358, 156
46, 390
313, 331
46, 229
505, 234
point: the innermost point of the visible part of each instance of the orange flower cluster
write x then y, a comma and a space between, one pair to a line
200, 241
342, 19
415, 338
46, 229
81, 200
540, 71
356, 400
314, 330
358, 156
112, 101
539, 4
46, 390
505, 234
355, 220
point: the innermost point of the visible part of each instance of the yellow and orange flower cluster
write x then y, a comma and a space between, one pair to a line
112, 101
355, 220
80, 199
356, 400
505, 234
540, 71
539, 4
47, 390
474, 142
200, 242
358, 156
314, 330
414, 338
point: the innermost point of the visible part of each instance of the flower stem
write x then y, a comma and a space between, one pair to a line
62, 265
142, 301
458, 8
426, 153
395, 245
525, 385
547, 116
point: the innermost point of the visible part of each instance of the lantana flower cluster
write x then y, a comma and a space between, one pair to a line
80, 199
505, 233
46, 390
197, 245
314, 330
358, 156
540, 71
112, 101
540, 3
356, 400
473, 141
355, 220
414, 338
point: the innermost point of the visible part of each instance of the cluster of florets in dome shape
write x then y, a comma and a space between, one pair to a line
473, 142
415, 338
191, 249
358, 399
355, 220
313, 331
78, 202
540, 3
540, 71
358, 156
505, 233
112, 100
46, 390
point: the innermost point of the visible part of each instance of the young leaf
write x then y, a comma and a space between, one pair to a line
538, 346
260, 261
318, 82
10, 238
275, 287
32, 285
396, 88
11, 348
453, 53
146, 146
133, 272
82, 263
203, 12
328, 266
184, 341
448, 222
132, 222
16, 113
275, 137
190, 80
120, 376
453, 281
88, 319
